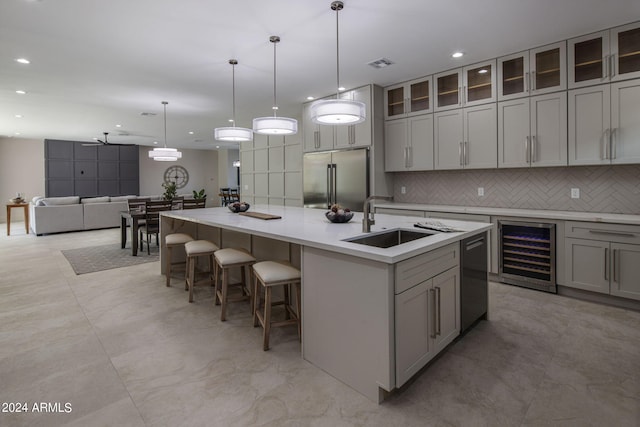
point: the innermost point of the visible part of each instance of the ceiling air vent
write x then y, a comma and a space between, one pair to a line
380, 63
144, 113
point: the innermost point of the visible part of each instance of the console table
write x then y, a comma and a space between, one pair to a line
24, 206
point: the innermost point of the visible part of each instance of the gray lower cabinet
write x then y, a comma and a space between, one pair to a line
427, 313
603, 258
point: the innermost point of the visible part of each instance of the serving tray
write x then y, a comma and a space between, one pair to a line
260, 215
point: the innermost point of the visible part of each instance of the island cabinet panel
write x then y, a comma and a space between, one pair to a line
348, 319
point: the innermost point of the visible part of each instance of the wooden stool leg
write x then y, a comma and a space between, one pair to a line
216, 299
192, 274
299, 309
225, 286
167, 268
267, 318
256, 300
287, 302
186, 274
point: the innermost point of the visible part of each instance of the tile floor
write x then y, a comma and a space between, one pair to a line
124, 350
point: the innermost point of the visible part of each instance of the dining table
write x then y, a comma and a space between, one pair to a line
132, 218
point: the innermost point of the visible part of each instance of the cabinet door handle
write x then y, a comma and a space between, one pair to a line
526, 82
459, 95
615, 266
605, 67
460, 152
406, 165
439, 322
533, 149
465, 152
464, 94
410, 156
614, 143
607, 142
533, 81
527, 152
606, 264
432, 292
612, 61
316, 139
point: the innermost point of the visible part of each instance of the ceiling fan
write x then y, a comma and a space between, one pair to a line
101, 142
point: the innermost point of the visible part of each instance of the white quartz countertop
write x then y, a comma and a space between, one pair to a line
309, 227
525, 213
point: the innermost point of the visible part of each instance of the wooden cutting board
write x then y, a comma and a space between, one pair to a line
260, 215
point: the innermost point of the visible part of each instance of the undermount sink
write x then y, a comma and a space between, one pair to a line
389, 238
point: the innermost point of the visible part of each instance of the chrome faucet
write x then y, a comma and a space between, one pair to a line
369, 217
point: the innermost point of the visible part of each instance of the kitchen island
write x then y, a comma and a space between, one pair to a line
372, 317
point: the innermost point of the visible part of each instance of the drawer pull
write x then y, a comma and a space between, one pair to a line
432, 292
615, 233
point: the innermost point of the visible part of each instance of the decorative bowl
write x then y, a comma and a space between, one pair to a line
17, 200
339, 217
236, 207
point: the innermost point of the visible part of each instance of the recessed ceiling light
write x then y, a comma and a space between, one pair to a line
310, 98
457, 55
118, 126
23, 61
155, 142
217, 146
341, 88
17, 133
18, 116
21, 92
483, 71
230, 120
190, 132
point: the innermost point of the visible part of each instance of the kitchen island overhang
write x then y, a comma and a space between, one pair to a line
351, 304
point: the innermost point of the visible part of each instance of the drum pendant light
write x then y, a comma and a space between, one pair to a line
233, 133
275, 125
165, 154
338, 111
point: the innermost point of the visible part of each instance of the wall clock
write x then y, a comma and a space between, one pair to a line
176, 174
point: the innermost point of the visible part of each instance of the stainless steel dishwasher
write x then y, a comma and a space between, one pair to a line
474, 280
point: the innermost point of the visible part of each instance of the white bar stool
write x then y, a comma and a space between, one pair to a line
195, 249
270, 274
172, 241
226, 259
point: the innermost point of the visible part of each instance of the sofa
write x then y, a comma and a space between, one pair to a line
59, 214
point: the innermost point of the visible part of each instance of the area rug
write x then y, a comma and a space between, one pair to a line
106, 257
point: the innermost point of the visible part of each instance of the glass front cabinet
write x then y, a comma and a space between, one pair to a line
408, 99
533, 72
604, 57
464, 87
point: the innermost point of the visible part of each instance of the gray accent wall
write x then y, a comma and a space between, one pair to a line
74, 169
611, 189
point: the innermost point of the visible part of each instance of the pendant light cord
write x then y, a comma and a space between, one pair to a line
233, 63
164, 103
337, 9
274, 40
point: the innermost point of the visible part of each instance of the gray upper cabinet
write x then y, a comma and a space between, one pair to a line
607, 56
603, 124
409, 98
466, 138
532, 72
409, 144
532, 132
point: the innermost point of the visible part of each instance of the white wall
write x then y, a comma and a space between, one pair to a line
21, 170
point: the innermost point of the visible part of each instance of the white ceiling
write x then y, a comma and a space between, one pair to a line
98, 63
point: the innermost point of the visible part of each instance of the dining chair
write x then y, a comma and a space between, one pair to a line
193, 203
234, 195
152, 221
176, 202
137, 204
225, 196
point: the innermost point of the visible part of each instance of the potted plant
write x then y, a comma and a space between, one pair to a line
169, 190
199, 194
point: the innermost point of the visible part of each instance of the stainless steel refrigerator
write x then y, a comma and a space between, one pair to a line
336, 177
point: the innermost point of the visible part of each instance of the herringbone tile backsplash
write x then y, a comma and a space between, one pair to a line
612, 189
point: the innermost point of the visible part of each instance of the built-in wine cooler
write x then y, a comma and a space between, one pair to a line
528, 255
